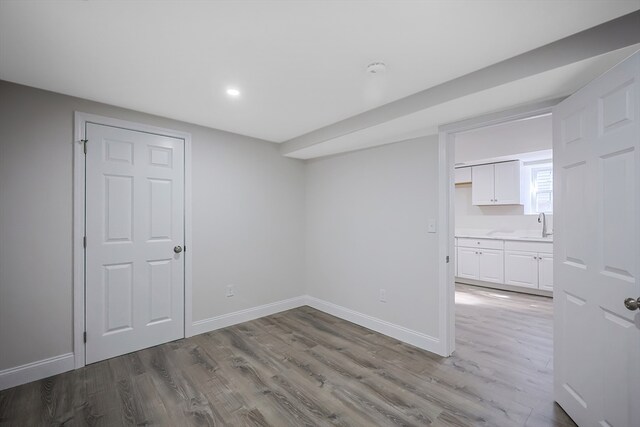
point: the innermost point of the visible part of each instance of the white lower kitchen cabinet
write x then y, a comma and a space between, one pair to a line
468, 263
545, 272
521, 269
522, 263
529, 264
491, 265
478, 262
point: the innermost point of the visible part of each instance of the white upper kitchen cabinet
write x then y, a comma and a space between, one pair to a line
482, 185
496, 184
463, 175
507, 183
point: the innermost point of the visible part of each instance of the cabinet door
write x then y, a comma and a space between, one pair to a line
468, 263
482, 191
507, 183
545, 268
521, 269
491, 265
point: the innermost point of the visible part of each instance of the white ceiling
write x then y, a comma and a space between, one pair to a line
300, 65
551, 84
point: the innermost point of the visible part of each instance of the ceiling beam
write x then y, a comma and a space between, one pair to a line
609, 36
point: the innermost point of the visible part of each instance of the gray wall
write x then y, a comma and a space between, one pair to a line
248, 220
367, 215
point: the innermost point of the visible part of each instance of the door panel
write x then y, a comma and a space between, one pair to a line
134, 218
597, 253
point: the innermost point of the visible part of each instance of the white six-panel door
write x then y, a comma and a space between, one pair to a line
596, 141
134, 220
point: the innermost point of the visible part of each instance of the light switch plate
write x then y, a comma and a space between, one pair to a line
431, 226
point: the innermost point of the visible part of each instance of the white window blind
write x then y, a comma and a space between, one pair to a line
542, 189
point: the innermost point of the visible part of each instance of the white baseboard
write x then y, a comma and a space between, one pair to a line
36, 370
230, 319
504, 287
409, 336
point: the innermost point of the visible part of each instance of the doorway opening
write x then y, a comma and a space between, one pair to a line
500, 232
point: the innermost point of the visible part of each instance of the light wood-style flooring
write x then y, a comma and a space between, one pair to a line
303, 367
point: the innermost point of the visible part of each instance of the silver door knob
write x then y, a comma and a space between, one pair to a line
177, 249
632, 304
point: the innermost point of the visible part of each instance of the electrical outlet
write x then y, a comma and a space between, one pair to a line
431, 226
231, 290
383, 295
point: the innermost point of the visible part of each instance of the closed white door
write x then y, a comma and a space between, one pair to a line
596, 143
135, 230
521, 269
545, 272
507, 183
468, 263
491, 265
482, 185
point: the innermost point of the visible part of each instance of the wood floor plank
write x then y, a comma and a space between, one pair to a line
304, 367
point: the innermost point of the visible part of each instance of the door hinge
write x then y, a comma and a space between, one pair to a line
447, 259
84, 142
85, 336
84, 242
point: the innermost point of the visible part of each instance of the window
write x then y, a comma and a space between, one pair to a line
542, 189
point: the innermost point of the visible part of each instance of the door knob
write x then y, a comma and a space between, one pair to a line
177, 249
632, 304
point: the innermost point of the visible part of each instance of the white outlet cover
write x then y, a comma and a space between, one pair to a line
383, 295
431, 226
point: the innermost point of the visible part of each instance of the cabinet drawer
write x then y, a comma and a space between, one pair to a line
480, 243
540, 247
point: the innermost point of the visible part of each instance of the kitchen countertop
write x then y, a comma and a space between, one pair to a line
523, 237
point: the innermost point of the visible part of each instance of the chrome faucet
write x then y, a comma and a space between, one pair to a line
542, 219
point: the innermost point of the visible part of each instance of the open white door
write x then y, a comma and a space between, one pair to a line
596, 143
135, 232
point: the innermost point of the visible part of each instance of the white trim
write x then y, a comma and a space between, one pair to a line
37, 370
230, 319
415, 338
446, 209
80, 120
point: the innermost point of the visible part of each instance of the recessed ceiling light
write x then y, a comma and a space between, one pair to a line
233, 92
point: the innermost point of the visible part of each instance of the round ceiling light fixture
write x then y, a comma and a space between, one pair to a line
377, 67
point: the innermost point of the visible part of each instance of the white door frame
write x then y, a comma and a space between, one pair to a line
446, 207
80, 120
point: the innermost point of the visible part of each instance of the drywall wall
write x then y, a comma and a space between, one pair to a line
522, 136
488, 218
522, 139
367, 214
248, 220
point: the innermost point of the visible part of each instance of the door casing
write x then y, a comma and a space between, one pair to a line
80, 120
446, 207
